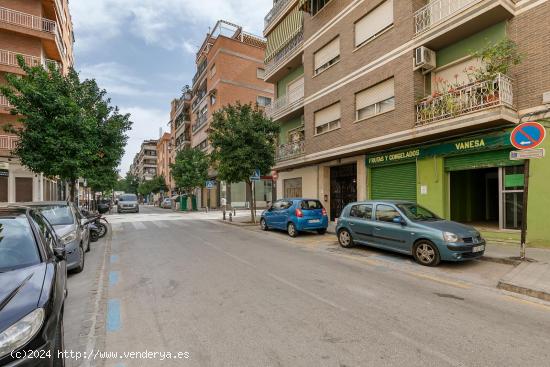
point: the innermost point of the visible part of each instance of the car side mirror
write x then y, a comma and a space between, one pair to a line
60, 253
400, 220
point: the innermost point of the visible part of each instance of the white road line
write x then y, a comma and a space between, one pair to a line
117, 227
139, 225
160, 224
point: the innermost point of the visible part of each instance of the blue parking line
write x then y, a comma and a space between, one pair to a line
113, 315
113, 278
114, 259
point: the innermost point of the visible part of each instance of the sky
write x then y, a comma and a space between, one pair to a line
143, 51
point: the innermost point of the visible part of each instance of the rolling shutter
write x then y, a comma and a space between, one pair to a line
23, 189
374, 22
327, 53
495, 158
395, 182
328, 114
377, 93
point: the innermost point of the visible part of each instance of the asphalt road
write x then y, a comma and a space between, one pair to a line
221, 295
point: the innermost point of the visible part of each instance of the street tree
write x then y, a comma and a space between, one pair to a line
243, 139
153, 186
190, 170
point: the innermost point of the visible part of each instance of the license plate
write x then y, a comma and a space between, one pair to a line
478, 248
314, 221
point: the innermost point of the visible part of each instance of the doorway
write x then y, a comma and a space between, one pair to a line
343, 188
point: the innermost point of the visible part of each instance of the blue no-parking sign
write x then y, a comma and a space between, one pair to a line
210, 184
528, 135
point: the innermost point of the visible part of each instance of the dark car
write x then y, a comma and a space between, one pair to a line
33, 280
295, 215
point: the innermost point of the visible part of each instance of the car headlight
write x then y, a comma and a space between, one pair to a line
21, 332
450, 237
69, 237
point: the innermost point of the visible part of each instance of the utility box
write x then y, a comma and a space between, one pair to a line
183, 203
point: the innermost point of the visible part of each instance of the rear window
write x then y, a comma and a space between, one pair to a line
129, 197
17, 244
311, 204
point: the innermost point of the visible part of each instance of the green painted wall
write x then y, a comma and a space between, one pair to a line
282, 84
286, 127
538, 220
431, 173
475, 42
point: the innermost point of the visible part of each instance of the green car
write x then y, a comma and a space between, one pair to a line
408, 228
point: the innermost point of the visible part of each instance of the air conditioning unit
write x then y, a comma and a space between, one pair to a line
424, 59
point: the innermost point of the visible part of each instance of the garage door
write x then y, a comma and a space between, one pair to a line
23, 189
395, 182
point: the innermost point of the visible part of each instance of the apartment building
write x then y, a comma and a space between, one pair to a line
144, 166
180, 126
164, 158
41, 31
230, 69
379, 100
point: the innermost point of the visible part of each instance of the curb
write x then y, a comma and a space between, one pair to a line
237, 223
501, 260
525, 291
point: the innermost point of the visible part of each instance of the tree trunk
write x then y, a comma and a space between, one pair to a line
252, 211
72, 194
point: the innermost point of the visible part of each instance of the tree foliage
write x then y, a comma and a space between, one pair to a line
155, 185
190, 170
128, 184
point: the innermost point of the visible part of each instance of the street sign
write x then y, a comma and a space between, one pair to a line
527, 135
210, 184
517, 155
255, 176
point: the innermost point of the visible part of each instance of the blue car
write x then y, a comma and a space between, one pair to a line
408, 228
295, 215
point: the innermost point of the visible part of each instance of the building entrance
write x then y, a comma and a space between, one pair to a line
343, 188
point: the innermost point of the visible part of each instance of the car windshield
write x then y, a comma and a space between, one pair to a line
17, 244
58, 215
416, 212
127, 198
311, 204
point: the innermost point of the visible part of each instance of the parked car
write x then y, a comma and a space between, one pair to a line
295, 216
408, 228
166, 203
127, 203
70, 226
33, 288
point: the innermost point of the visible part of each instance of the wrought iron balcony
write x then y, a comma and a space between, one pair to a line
438, 11
290, 150
27, 20
466, 99
286, 104
283, 55
8, 142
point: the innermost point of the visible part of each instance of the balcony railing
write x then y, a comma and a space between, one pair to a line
286, 103
277, 8
27, 20
10, 58
290, 150
438, 11
466, 99
4, 103
281, 56
200, 70
8, 142
201, 121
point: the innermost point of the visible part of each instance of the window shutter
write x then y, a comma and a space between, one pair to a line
295, 90
375, 21
448, 74
327, 53
328, 114
375, 94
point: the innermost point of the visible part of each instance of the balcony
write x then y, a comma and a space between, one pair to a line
275, 11
27, 20
290, 150
4, 103
9, 58
8, 142
470, 98
286, 104
289, 55
200, 71
201, 121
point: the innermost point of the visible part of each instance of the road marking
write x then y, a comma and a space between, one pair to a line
113, 278
113, 315
527, 302
180, 223
139, 225
117, 227
160, 224
114, 259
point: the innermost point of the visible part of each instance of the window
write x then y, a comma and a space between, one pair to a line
213, 71
263, 101
375, 100
203, 144
212, 99
327, 56
311, 205
386, 213
374, 23
260, 73
17, 244
362, 211
327, 119
293, 187
317, 5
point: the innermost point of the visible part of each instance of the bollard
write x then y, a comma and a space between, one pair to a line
230, 216
234, 212
224, 214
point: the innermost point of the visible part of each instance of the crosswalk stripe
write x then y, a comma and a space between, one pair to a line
116, 226
181, 223
160, 224
139, 225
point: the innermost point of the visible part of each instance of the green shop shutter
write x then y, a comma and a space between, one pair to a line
495, 158
395, 182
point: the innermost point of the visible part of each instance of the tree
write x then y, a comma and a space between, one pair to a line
190, 170
244, 141
128, 184
67, 119
155, 185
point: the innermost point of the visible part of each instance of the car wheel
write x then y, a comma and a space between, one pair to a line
59, 348
263, 224
82, 261
426, 253
291, 230
93, 236
345, 239
102, 230
322, 231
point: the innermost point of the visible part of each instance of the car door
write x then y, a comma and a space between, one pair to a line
285, 212
386, 232
81, 229
360, 222
272, 215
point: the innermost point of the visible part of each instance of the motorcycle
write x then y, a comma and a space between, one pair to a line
97, 228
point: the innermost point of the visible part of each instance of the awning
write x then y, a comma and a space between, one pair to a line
284, 32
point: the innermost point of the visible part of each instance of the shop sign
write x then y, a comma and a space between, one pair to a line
4, 173
393, 157
517, 155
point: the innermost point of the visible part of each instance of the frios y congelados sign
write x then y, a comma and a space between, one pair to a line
459, 146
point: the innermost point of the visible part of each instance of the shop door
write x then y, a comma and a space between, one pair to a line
395, 182
23, 189
3, 189
343, 188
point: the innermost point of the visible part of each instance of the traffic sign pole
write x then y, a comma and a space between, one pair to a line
524, 214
